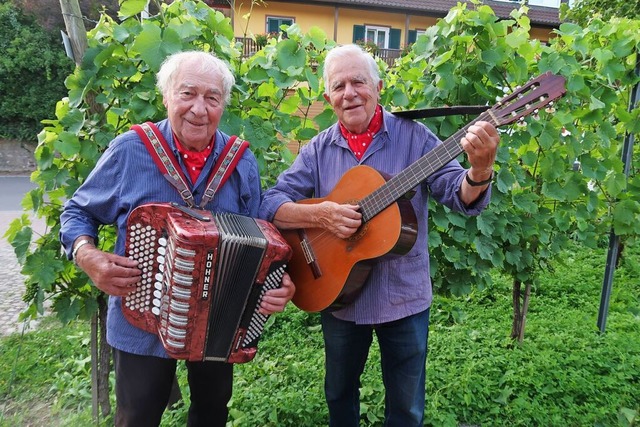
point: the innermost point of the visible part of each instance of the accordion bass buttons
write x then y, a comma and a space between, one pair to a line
259, 320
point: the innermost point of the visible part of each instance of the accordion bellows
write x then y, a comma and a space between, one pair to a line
203, 278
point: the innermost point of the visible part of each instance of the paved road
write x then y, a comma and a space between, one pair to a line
12, 190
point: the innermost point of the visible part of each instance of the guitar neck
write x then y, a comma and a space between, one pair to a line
417, 172
534, 95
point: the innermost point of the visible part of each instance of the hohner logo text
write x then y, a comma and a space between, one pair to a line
207, 275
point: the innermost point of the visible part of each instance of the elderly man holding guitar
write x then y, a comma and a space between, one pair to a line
360, 244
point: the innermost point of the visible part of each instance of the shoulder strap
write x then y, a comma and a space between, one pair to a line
164, 159
223, 168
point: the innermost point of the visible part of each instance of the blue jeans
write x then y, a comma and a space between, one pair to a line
403, 350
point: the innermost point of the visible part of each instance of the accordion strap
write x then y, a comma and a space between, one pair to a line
170, 168
164, 159
226, 163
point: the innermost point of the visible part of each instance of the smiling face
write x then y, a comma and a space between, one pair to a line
195, 104
352, 92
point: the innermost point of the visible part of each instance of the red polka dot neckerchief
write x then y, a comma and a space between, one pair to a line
194, 160
359, 142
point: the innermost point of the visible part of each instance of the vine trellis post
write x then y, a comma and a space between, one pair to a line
614, 240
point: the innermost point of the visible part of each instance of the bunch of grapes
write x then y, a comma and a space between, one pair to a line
31, 292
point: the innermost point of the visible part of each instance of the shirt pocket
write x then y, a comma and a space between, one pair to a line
409, 279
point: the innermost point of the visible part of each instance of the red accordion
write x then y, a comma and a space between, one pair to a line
203, 277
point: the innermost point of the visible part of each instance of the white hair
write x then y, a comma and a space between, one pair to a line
349, 50
207, 62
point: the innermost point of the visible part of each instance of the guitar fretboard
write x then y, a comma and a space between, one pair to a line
417, 172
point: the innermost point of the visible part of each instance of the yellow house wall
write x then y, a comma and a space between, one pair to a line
303, 15
350, 17
322, 16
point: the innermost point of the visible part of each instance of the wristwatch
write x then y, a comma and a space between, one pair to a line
478, 183
77, 246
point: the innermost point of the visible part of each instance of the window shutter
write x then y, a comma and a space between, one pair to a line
394, 38
273, 25
358, 33
413, 35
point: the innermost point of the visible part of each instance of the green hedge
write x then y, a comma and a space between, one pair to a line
33, 66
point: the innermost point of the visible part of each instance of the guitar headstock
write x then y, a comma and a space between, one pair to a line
535, 94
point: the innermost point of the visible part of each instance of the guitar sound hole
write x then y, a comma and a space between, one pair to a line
361, 231
358, 234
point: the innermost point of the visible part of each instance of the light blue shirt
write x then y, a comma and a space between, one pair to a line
126, 177
397, 287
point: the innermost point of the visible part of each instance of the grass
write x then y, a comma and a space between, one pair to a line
565, 373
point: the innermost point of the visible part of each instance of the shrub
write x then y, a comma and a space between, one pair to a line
33, 66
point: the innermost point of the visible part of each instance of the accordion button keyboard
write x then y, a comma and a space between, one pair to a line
176, 333
185, 252
184, 265
181, 293
182, 279
179, 307
174, 344
177, 319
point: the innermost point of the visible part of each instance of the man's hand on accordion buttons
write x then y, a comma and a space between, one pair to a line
275, 300
113, 274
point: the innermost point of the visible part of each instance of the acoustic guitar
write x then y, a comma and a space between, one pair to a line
330, 272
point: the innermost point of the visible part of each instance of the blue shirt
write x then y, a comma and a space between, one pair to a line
126, 177
396, 287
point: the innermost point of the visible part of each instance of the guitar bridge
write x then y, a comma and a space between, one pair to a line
309, 255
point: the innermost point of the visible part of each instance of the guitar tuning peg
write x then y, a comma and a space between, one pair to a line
550, 108
536, 114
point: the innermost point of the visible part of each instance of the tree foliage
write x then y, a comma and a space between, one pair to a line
47, 12
584, 10
33, 66
540, 199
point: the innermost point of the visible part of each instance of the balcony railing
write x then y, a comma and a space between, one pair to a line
388, 55
250, 47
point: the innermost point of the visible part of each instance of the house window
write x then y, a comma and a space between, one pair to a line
544, 3
377, 35
274, 23
383, 37
414, 34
